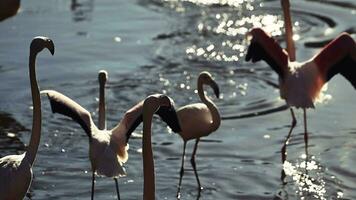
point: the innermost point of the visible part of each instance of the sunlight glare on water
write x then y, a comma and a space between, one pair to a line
307, 177
231, 50
177, 39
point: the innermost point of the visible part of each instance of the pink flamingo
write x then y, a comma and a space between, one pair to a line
194, 121
300, 82
107, 148
16, 170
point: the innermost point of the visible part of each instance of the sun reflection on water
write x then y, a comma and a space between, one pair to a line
308, 178
232, 47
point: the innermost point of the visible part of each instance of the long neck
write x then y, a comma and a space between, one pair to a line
211, 106
289, 30
148, 163
37, 118
102, 113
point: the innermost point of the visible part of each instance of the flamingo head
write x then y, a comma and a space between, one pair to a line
153, 102
103, 77
39, 43
206, 78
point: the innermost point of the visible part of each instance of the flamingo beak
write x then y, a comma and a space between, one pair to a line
216, 89
49, 45
39, 43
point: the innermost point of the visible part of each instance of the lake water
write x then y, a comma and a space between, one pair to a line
150, 46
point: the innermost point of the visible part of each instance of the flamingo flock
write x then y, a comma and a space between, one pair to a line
300, 84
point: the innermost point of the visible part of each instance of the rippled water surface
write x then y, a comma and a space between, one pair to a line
161, 46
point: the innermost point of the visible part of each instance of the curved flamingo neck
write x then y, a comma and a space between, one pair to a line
102, 108
37, 117
211, 106
148, 163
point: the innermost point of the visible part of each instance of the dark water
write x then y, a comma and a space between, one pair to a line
161, 46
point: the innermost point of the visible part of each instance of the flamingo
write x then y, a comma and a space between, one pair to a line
107, 148
195, 121
300, 82
9, 8
16, 170
151, 105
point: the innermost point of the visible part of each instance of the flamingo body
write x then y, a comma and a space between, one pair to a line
16, 175
201, 121
104, 156
302, 85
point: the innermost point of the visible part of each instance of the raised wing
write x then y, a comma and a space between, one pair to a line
264, 47
64, 105
339, 56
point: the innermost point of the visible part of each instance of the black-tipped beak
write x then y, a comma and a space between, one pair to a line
50, 46
216, 89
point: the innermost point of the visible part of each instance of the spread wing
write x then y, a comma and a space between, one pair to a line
339, 56
264, 47
64, 105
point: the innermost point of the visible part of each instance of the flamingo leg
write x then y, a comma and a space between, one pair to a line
305, 139
284, 148
92, 185
305, 132
181, 171
117, 188
192, 161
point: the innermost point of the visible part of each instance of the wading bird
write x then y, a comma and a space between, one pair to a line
197, 120
107, 148
300, 82
9, 8
151, 105
16, 170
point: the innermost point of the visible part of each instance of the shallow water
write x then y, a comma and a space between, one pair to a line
152, 46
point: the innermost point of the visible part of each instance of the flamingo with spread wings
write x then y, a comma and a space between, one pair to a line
107, 148
300, 83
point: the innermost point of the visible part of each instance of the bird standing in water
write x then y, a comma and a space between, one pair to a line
16, 170
107, 148
195, 121
300, 83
